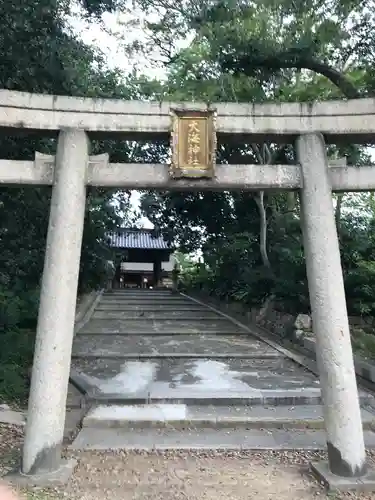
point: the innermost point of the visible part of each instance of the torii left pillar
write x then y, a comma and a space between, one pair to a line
54, 338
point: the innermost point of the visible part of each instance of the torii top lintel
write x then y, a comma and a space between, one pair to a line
274, 121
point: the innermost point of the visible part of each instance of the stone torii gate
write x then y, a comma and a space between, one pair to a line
194, 128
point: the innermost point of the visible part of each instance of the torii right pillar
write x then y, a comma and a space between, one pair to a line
341, 407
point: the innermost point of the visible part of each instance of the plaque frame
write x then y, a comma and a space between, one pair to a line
179, 167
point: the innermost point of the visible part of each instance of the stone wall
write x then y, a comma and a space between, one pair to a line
278, 322
294, 327
297, 328
281, 323
366, 323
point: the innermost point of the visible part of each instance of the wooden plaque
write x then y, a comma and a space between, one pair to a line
193, 144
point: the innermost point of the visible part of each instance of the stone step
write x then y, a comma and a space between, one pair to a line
149, 295
145, 296
114, 306
143, 303
310, 396
138, 332
151, 346
145, 300
197, 381
143, 293
152, 327
170, 314
204, 439
266, 397
74, 398
180, 416
233, 381
73, 419
153, 291
209, 323
147, 304
216, 356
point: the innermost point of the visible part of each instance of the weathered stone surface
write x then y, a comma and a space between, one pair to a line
345, 443
57, 307
73, 419
170, 379
200, 439
74, 398
12, 417
161, 315
57, 477
365, 483
152, 306
153, 327
303, 322
299, 334
182, 415
168, 345
49, 112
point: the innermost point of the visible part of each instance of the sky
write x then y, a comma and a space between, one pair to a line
107, 41
93, 34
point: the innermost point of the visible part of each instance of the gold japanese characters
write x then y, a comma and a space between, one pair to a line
193, 144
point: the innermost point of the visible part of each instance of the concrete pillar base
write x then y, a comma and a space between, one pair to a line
364, 483
45, 479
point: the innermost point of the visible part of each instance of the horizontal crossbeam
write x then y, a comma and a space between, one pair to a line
156, 176
355, 118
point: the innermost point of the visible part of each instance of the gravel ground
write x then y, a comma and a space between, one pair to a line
180, 475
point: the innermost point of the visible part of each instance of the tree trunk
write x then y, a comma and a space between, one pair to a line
263, 229
290, 201
264, 157
338, 208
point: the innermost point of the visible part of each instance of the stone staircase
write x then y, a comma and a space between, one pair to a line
161, 370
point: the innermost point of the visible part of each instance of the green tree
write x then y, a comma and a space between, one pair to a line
38, 53
246, 51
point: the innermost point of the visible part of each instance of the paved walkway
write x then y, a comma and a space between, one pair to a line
164, 371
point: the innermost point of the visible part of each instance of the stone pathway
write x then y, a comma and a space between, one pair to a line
163, 371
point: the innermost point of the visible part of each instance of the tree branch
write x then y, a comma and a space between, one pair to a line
337, 78
291, 59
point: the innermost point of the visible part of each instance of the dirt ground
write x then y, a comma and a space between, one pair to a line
179, 475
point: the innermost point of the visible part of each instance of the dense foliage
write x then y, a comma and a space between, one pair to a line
39, 54
279, 50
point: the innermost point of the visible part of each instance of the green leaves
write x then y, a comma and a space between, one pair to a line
39, 54
98, 7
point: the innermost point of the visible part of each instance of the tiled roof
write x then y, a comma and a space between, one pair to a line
141, 239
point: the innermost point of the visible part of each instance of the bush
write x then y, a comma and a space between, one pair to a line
363, 343
18, 315
16, 357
